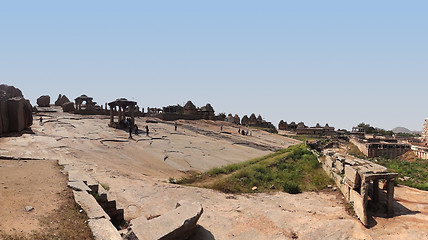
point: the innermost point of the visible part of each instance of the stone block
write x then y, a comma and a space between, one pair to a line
352, 176
90, 205
176, 224
79, 186
103, 229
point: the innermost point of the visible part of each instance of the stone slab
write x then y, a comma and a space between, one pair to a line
90, 205
79, 186
176, 224
103, 229
352, 175
76, 175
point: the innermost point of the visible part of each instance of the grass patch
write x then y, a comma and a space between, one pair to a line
353, 150
105, 186
416, 170
292, 170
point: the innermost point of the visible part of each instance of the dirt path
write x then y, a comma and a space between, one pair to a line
38, 184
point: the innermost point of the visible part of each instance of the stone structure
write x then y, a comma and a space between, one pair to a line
358, 180
421, 150
68, 107
236, 119
15, 111
229, 118
44, 101
176, 109
124, 107
302, 129
244, 120
287, 127
207, 112
252, 121
61, 100
377, 147
88, 100
425, 131
190, 109
188, 112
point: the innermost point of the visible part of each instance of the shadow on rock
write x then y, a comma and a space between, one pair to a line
200, 233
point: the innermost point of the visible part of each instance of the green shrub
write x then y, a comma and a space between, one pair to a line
291, 187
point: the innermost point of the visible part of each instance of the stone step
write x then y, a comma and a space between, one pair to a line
103, 229
90, 205
79, 186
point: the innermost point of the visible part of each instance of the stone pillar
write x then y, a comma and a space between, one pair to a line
111, 115
390, 196
119, 113
376, 190
364, 195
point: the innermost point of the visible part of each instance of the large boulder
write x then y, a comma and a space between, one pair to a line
15, 111
7, 92
177, 224
68, 107
61, 100
4, 117
44, 101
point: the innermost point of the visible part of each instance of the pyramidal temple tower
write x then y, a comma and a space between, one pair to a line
425, 130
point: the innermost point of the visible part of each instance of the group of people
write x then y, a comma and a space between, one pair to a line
136, 131
134, 128
245, 133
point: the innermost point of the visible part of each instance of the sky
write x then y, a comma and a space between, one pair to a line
335, 62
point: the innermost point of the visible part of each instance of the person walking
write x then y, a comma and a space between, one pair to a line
130, 131
175, 126
147, 130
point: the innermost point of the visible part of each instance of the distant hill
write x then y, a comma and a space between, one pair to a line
404, 130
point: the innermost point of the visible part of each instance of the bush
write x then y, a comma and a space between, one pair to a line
291, 187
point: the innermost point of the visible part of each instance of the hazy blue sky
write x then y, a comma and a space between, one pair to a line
341, 62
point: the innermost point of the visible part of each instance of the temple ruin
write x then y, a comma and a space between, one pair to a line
123, 108
358, 180
188, 112
302, 129
254, 121
89, 105
379, 146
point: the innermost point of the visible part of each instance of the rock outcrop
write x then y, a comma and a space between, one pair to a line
44, 101
61, 100
68, 107
15, 111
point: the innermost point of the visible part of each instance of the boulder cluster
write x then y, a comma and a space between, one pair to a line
15, 110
